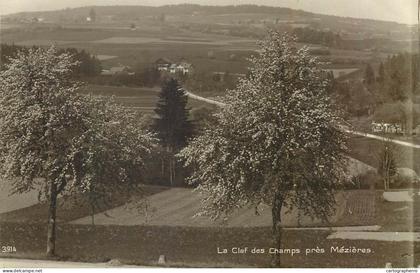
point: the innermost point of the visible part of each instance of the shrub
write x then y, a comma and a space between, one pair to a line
368, 180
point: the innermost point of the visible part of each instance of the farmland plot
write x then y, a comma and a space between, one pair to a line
46, 42
146, 40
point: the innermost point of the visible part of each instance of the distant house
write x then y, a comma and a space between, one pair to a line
117, 70
166, 65
388, 128
163, 64
37, 19
184, 68
172, 68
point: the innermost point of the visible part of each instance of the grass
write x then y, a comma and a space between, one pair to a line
10, 202
354, 208
142, 245
177, 207
53, 34
142, 98
121, 91
197, 246
367, 150
71, 208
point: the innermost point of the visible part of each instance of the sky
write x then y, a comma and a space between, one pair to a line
403, 11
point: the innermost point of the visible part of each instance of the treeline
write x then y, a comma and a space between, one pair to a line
199, 82
354, 97
147, 77
397, 78
388, 93
396, 87
88, 66
314, 36
133, 12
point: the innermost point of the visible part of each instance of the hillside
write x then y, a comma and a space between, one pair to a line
241, 15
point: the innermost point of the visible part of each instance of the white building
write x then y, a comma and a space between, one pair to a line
388, 128
165, 65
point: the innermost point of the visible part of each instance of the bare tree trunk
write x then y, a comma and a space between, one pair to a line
163, 167
52, 210
170, 172
277, 229
385, 184
170, 165
92, 211
173, 170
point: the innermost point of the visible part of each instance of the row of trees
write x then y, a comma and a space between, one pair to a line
354, 97
200, 82
315, 36
387, 93
87, 64
149, 77
393, 89
276, 141
396, 79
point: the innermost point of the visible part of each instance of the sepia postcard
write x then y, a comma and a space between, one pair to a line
209, 134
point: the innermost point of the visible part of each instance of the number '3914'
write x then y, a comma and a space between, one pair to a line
8, 249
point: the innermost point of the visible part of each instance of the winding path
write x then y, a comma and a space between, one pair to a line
398, 142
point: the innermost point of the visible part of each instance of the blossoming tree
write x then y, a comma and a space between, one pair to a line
276, 142
62, 143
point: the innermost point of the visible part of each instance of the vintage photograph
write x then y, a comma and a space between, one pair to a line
209, 134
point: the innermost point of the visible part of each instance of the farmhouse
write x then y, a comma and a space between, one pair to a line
166, 65
163, 64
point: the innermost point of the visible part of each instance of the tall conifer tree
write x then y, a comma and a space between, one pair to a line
173, 126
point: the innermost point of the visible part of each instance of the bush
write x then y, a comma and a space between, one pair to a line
367, 180
405, 178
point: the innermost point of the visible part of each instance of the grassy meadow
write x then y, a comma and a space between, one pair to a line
142, 46
143, 99
196, 245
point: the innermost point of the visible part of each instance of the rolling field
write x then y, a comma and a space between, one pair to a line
367, 150
10, 202
141, 46
145, 40
178, 206
143, 99
144, 45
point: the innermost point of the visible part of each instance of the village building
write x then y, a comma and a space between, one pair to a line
166, 65
163, 64
387, 128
